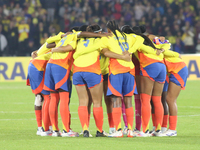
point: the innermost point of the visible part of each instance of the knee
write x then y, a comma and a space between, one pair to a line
38, 100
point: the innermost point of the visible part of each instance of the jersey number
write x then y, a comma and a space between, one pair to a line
87, 42
63, 41
124, 46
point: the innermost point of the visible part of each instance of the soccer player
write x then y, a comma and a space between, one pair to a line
57, 80
121, 76
35, 79
137, 30
86, 76
58, 83
177, 81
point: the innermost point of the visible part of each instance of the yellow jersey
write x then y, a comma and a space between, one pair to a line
117, 66
65, 59
88, 62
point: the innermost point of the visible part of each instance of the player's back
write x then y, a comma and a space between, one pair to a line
88, 58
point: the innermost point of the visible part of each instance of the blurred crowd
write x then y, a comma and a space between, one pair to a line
26, 24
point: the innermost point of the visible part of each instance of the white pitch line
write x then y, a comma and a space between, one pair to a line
35, 119
24, 112
20, 103
190, 107
91, 118
189, 115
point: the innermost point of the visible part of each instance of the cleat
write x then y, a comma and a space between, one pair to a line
142, 134
154, 129
157, 133
55, 133
69, 134
170, 133
111, 130
90, 135
75, 133
86, 133
116, 134
39, 130
163, 129
125, 130
45, 133
50, 128
131, 133
101, 134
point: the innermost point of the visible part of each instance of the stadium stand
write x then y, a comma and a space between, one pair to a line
25, 24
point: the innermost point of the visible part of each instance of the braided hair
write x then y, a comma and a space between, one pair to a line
94, 28
76, 28
113, 26
137, 30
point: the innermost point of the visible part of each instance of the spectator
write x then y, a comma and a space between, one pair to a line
198, 47
159, 8
139, 10
17, 9
51, 16
3, 42
179, 46
30, 48
188, 39
12, 39
50, 5
6, 10
43, 38
23, 30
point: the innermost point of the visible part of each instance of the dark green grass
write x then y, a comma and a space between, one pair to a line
18, 125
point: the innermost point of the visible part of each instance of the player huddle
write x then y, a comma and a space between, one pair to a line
119, 64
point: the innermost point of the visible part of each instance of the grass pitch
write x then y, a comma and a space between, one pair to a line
18, 125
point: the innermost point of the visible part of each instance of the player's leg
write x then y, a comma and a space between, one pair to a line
115, 92
166, 112
95, 86
177, 81
145, 96
128, 89
125, 130
158, 107
138, 119
156, 98
81, 89
35, 78
172, 95
108, 103
49, 85
89, 105
38, 112
45, 114
83, 109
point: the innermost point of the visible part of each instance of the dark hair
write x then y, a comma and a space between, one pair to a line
76, 28
83, 28
127, 29
142, 28
113, 26
137, 29
94, 28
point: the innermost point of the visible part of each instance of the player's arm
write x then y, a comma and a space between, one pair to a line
51, 45
170, 53
150, 50
125, 56
91, 35
138, 43
34, 54
57, 37
62, 49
